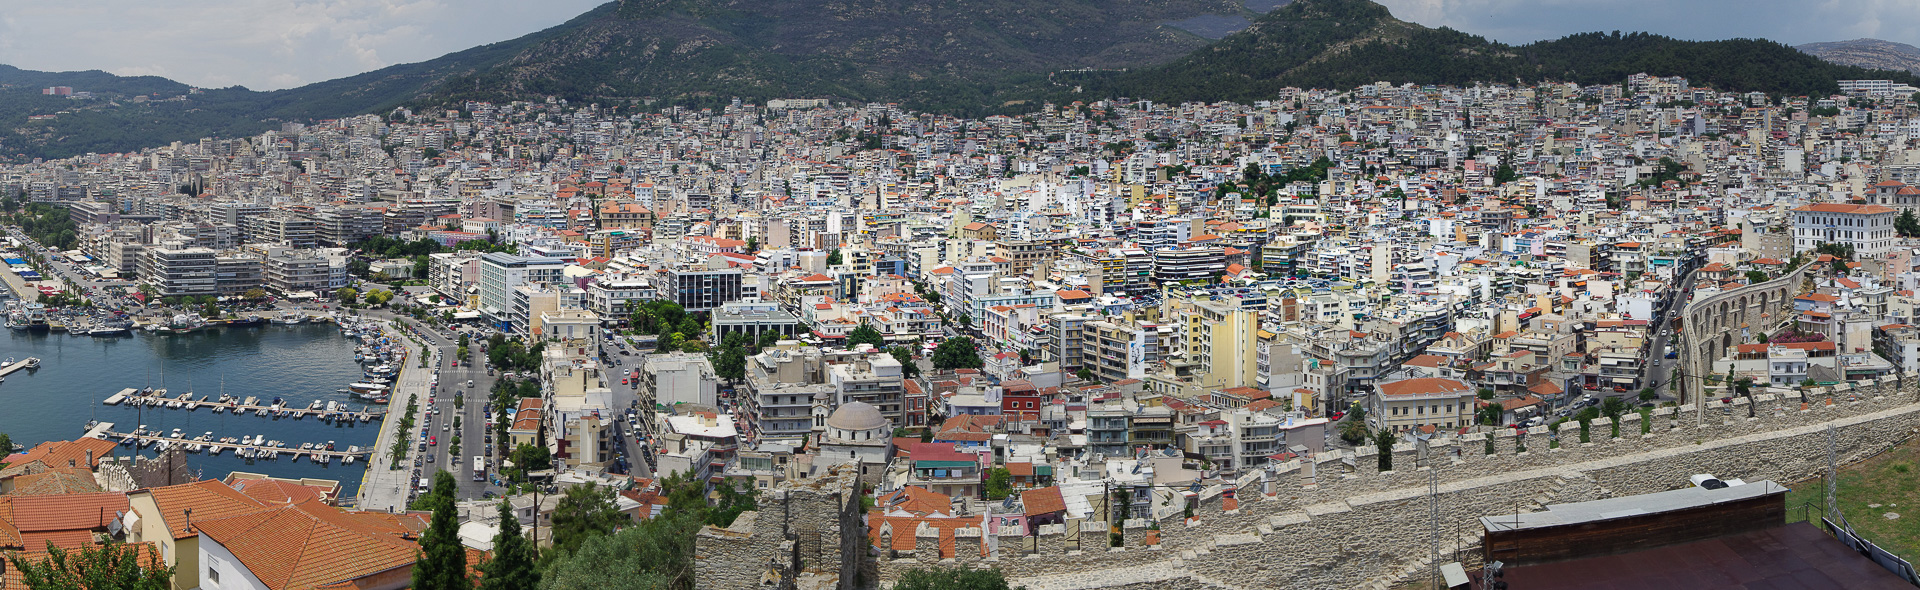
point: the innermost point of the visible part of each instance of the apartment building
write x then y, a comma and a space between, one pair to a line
782, 387
181, 272
501, 273
1404, 405
702, 289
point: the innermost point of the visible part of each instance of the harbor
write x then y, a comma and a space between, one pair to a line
250, 406
251, 447
13, 365
300, 363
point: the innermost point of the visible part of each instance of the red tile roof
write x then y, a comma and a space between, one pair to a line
309, 545
209, 499
1045, 500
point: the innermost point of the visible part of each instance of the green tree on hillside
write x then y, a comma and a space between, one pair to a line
442, 564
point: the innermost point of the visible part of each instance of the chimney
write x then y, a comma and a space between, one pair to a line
89, 458
188, 525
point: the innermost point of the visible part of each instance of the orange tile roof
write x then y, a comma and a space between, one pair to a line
56, 482
69, 512
917, 500
273, 491
58, 453
9, 534
209, 500
1844, 208
308, 545
1045, 500
1428, 385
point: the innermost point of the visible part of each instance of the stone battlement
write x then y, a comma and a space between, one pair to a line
1339, 522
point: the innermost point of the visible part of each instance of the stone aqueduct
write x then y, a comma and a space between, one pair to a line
1714, 324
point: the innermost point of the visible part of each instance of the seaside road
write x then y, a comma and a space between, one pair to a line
384, 488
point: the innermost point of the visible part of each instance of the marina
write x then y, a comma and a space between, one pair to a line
252, 447
300, 363
276, 408
13, 365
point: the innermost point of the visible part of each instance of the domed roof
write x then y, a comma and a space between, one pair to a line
857, 416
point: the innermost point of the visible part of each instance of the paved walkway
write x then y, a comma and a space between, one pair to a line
383, 488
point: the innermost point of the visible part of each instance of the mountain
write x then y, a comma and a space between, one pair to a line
1867, 53
951, 55
1346, 43
966, 57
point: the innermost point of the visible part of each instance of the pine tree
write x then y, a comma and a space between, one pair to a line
443, 561
512, 566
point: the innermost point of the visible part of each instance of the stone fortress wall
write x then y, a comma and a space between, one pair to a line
1342, 523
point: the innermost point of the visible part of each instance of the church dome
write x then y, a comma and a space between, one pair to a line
857, 416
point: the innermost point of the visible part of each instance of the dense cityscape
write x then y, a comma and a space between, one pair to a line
827, 345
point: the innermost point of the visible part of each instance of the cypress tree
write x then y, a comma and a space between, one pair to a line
511, 567
443, 559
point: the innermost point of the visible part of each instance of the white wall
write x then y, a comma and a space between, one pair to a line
232, 574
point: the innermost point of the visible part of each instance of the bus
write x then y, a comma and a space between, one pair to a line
479, 468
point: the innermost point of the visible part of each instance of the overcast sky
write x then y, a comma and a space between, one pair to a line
271, 44
260, 44
1788, 21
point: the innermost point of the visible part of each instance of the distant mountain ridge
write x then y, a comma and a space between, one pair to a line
1867, 53
965, 57
1346, 43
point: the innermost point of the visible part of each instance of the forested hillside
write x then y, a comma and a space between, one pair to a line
1346, 43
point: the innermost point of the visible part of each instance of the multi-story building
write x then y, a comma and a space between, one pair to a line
781, 388
614, 299
178, 272
703, 289
752, 319
290, 271
501, 273
1405, 405
1867, 228
237, 273
453, 275
875, 379
679, 378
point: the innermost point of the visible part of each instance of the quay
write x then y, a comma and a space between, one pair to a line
29, 363
263, 450
157, 398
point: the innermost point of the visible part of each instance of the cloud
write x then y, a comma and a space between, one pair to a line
1787, 21
261, 44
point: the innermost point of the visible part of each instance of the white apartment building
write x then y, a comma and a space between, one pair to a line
1868, 228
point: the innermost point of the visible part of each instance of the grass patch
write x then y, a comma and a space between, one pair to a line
1890, 481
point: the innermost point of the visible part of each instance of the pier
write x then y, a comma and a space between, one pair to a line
158, 399
103, 431
29, 363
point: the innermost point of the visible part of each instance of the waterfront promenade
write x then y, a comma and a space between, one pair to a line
383, 488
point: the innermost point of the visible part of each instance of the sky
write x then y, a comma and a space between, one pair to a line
1788, 21
260, 44
273, 44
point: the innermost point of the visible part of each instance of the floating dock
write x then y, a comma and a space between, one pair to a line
30, 362
103, 431
159, 398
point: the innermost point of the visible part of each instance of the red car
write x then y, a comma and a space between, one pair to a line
623, 381
433, 441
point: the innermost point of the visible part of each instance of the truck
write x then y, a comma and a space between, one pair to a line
479, 468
